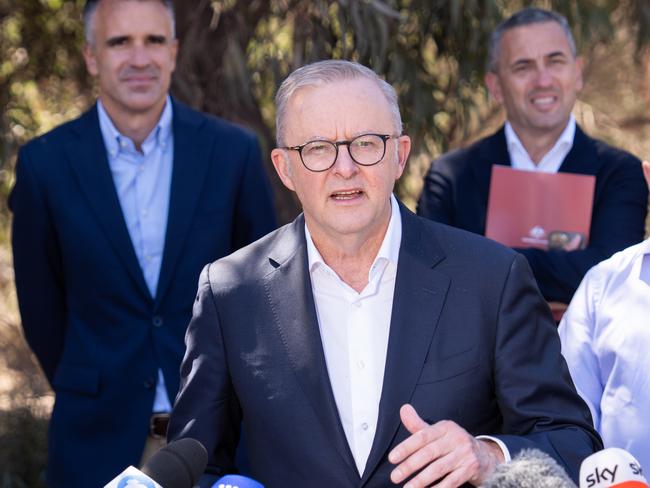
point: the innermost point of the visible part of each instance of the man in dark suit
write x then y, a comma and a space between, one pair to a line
361, 345
115, 214
535, 74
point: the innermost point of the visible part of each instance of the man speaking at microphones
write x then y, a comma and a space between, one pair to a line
361, 345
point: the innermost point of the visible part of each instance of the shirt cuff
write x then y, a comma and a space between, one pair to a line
500, 443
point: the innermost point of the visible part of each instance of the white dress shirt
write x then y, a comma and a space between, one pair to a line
354, 329
605, 337
552, 160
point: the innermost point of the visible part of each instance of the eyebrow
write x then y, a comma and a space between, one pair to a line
114, 41
158, 38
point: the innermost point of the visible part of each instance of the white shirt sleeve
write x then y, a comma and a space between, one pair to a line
577, 330
500, 443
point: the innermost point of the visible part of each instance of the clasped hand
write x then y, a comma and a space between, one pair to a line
442, 454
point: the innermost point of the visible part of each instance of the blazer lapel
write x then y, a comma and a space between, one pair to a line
289, 292
89, 163
420, 293
582, 158
191, 161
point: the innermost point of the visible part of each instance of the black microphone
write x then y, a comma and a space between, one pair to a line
177, 465
530, 468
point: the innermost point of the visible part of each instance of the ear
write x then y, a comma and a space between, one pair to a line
646, 172
403, 151
91, 60
282, 165
494, 86
579, 65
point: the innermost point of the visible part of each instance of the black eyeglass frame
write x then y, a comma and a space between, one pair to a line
336, 144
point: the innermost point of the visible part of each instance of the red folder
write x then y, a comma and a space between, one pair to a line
526, 208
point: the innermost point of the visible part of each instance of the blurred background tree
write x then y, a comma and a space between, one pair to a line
233, 56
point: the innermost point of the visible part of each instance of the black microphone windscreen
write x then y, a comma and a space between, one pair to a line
531, 468
177, 465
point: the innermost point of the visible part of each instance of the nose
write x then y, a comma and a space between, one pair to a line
140, 56
544, 77
344, 165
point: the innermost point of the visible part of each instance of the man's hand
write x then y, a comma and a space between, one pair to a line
444, 452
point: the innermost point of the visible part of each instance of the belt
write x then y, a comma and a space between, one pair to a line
158, 425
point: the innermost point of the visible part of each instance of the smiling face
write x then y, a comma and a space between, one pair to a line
133, 55
537, 79
347, 199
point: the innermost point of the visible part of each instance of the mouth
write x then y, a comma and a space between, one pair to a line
544, 102
346, 195
139, 79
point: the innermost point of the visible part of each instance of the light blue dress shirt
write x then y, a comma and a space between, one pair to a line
143, 181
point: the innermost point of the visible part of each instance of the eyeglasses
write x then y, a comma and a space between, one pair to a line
320, 155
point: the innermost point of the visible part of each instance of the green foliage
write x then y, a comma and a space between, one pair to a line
42, 79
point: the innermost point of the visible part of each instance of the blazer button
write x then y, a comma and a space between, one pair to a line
148, 383
157, 321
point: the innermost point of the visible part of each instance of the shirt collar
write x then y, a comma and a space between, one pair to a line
116, 141
388, 251
564, 142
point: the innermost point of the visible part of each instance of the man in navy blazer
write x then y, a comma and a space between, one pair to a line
535, 73
115, 214
362, 345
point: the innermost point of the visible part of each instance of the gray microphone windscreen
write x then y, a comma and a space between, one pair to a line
530, 468
177, 465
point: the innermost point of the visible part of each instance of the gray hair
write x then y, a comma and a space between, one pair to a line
90, 9
527, 16
322, 72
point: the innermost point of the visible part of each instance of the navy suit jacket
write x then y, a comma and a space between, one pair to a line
471, 340
87, 314
457, 186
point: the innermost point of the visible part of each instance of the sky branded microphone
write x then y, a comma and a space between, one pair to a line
177, 465
530, 468
612, 468
236, 481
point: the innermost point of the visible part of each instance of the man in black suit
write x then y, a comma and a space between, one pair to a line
115, 214
534, 72
361, 345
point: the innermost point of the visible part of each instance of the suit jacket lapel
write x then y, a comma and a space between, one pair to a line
88, 160
289, 291
191, 162
420, 293
582, 158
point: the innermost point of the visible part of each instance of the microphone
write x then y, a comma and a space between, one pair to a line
530, 468
177, 465
612, 467
236, 481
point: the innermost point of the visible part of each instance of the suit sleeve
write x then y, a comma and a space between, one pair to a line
206, 408
38, 268
255, 214
618, 222
536, 397
436, 201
